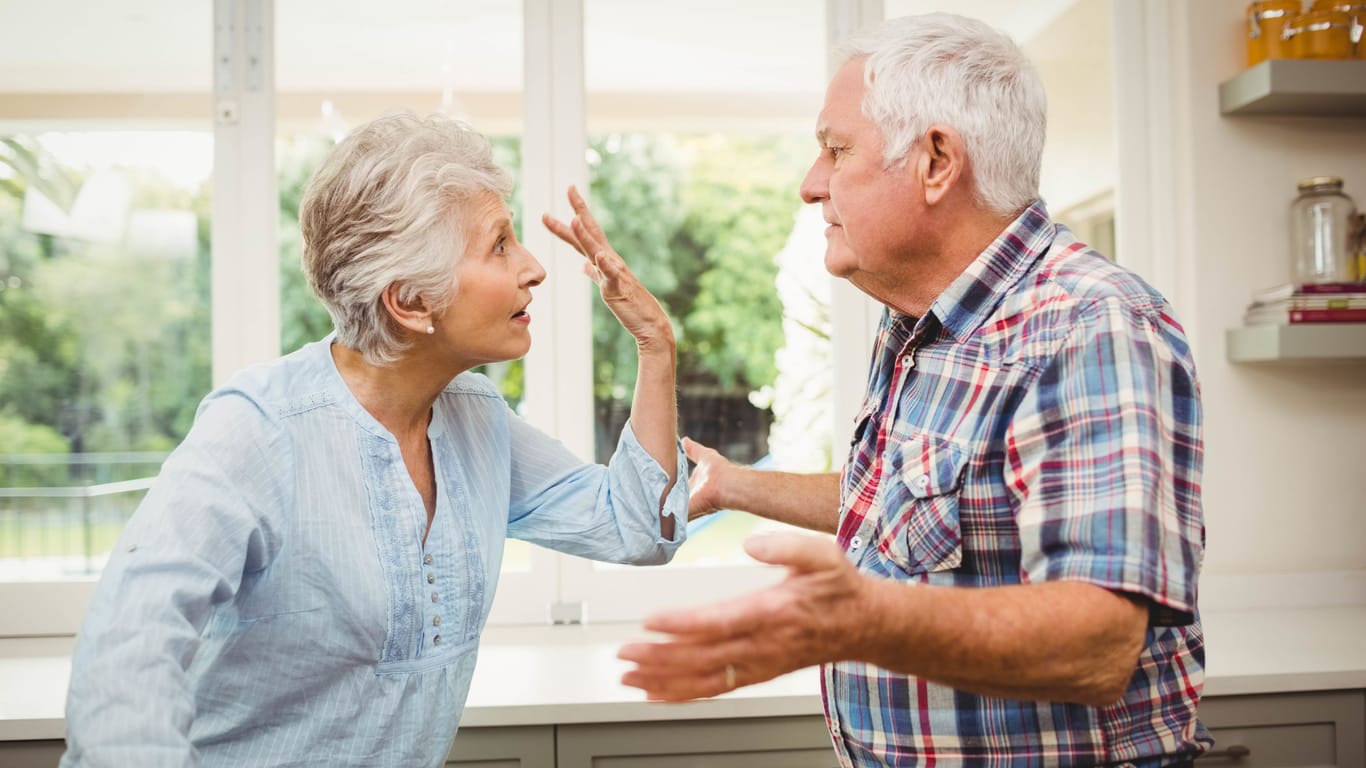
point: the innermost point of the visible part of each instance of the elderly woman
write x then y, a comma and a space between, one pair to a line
308, 579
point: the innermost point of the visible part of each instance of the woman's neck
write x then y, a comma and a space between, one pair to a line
399, 395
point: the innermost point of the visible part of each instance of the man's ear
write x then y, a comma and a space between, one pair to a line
942, 162
411, 314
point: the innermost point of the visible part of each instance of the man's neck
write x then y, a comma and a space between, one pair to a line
913, 289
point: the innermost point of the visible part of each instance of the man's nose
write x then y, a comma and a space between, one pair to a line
814, 186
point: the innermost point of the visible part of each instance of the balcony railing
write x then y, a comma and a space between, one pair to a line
60, 514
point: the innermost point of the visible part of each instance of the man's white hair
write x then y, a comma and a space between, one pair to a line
960, 72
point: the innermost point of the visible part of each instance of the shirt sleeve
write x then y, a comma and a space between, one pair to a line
1104, 462
210, 517
610, 513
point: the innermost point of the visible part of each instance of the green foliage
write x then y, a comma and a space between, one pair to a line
105, 346
302, 317
20, 437
29, 166
635, 195
699, 219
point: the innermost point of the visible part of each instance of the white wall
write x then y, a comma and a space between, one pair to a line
1073, 57
1285, 444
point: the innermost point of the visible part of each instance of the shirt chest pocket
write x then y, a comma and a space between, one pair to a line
918, 529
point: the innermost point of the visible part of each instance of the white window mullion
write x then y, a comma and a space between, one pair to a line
559, 367
559, 387
245, 261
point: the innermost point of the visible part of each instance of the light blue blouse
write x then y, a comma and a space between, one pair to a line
271, 602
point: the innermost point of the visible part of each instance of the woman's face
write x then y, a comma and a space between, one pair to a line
487, 320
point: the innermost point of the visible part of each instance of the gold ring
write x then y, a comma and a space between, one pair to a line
730, 677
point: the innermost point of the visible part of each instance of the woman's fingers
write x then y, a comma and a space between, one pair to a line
581, 213
593, 244
563, 231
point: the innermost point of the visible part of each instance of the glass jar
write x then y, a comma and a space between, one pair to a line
1320, 34
1356, 12
1322, 234
1266, 22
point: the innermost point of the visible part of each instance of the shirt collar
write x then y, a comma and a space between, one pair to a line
971, 298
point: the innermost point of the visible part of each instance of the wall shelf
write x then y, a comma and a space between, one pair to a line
1316, 341
1297, 87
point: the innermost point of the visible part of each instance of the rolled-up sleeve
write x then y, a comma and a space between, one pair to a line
1104, 461
611, 513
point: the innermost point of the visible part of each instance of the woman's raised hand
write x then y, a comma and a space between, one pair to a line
635, 307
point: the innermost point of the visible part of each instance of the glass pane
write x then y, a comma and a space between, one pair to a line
431, 56
104, 255
104, 352
699, 192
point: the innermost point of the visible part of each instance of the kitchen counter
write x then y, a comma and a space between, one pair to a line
569, 674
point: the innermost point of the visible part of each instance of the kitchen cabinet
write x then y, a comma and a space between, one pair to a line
531, 746
1287, 730
31, 754
1320, 729
501, 747
777, 742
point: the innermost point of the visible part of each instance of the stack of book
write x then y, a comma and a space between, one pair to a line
1292, 304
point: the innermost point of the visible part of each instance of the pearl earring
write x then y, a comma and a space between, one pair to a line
430, 330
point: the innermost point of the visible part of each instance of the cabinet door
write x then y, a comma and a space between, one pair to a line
760, 742
1286, 730
531, 746
31, 754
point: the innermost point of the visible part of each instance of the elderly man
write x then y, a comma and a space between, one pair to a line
1018, 524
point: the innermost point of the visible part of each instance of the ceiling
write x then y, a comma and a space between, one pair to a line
153, 46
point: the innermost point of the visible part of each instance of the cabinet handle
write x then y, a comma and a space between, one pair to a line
1235, 753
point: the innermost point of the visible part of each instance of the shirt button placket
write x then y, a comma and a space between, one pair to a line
436, 596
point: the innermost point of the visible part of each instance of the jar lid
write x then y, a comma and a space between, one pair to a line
1319, 181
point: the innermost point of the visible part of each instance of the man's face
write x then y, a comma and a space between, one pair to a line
872, 211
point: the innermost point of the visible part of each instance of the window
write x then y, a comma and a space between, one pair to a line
690, 135
104, 279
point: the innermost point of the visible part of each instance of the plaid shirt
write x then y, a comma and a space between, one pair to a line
1041, 422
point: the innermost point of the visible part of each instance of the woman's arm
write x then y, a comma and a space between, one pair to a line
202, 525
654, 410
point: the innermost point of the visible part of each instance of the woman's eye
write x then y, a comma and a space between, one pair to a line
501, 246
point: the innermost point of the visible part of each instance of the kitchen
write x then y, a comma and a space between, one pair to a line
1199, 209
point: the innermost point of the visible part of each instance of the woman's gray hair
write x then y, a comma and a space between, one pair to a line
384, 208
960, 72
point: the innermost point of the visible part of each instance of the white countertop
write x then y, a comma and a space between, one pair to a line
569, 674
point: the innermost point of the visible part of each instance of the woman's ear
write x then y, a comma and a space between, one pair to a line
411, 313
943, 161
